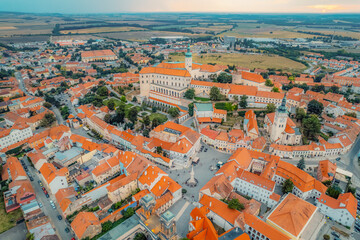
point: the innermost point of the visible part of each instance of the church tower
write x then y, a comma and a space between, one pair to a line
168, 226
188, 59
279, 123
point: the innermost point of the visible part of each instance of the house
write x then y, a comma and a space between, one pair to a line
55, 179
295, 218
86, 224
98, 55
342, 210
42, 228
207, 113
326, 171
37, 158
200, 227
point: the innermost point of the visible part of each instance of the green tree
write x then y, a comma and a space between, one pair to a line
326, 237
140, 236
235, 204
311, 127
351, 114
155, 123
106, 226
333, 191
159, 150
288, 186
224, 78
270, 108
47, 105
275, 89
147, 121
146, 133
243, 101
269, 83
133, 113
190, 93
300, 114
134, 99
102, 91
315, 107
123, 99
111, 104
191, 109
107, 118
215, 94
153, 109
129, 212
174, 112
301, 164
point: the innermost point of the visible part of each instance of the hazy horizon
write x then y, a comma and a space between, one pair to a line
184, 6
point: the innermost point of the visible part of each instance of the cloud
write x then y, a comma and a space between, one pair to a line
328, 8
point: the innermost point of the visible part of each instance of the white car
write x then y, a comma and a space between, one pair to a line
40, 205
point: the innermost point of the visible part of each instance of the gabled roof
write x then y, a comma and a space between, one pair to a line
344, 201
82, 221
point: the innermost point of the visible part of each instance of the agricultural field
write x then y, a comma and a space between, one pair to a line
101, 30
257, 30
145, 35
206, 29
340, 32
246, 60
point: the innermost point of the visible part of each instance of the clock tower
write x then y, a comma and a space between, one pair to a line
188, 59
279, 123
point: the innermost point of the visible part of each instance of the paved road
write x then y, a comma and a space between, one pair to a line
16, 233
47, 209
21, 83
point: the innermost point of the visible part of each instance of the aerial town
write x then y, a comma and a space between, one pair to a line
117, 139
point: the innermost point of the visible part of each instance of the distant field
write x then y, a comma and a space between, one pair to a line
340, 32
244, 60
101, 30
145, 35
257, 30
216, 29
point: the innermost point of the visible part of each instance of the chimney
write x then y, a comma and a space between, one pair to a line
210, 204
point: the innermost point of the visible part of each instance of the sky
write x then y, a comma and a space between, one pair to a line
240, 6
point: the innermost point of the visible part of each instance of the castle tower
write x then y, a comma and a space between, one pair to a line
279, 123
188, 59
168, 226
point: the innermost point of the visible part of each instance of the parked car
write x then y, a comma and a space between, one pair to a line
335, 234
59, 217
338, 159
43, 188
31, 178
47, 195
40, 205
67, 230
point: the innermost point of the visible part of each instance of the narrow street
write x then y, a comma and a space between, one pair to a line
59, 225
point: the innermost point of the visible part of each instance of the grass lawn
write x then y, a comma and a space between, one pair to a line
245, 60
117, 101
202, 99
162, 117
8, 220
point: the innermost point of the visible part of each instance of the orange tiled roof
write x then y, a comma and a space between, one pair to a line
344, 201
252, 77
292, 214
165, 71
82, 221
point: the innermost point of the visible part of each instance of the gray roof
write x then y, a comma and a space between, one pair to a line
121, 229
204, 107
